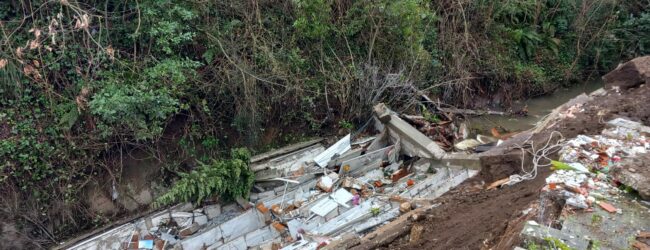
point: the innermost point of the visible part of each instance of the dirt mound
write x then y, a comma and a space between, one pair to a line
468, 218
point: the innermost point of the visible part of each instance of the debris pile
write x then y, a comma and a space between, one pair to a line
594, 180
595, 163
306, 195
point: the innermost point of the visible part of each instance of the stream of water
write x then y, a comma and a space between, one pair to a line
537, 108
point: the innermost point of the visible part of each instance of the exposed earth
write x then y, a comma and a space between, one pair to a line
476, 218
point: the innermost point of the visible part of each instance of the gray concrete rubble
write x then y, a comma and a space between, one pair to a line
307, 195
603, 181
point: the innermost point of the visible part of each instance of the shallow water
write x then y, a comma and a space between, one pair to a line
537, 108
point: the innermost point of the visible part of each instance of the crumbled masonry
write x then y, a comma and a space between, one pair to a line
309, 195
390, 189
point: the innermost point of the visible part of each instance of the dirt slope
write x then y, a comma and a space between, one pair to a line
471, 218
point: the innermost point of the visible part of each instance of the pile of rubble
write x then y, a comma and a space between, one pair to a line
603, 192
598, 163
307, 195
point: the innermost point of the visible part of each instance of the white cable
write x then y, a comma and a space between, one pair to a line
538, 155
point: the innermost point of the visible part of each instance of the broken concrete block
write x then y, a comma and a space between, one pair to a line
339, 148
189, 230
212, 211
210, 237
347, 218
538, 234
635, 173
347, 156
413, 142
471, 161
325, 183
243, 203
630, 74
620, 122
185, 219
365, 162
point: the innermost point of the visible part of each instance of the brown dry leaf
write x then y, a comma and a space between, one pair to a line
37, 32
85, 91
34, 44
3, 63
82, 22
36, 63
81, 103
29, 70
19, 52
111, 52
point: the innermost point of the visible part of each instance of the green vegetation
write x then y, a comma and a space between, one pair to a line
230, 178
596, 219
82, 82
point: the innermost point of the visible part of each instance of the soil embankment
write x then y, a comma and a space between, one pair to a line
471, 218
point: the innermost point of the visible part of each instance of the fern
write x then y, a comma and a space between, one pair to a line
228, 178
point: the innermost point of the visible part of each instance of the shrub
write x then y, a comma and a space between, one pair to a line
227, 178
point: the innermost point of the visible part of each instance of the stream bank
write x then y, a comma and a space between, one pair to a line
470, 218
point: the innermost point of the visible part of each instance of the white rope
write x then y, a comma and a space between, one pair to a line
538, 155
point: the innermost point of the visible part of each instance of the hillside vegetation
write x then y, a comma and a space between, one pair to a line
83, 81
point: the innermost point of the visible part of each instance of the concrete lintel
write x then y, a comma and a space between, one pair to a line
470, 161
414, 142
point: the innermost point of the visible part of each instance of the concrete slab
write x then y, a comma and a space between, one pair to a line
284, 150
356, 165
237, 244
339, 148
210, 237
247, 222
212, 211
355, 214
610, 230
260, 236
540, 234
108, 240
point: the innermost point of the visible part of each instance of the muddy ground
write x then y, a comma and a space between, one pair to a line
474, 218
